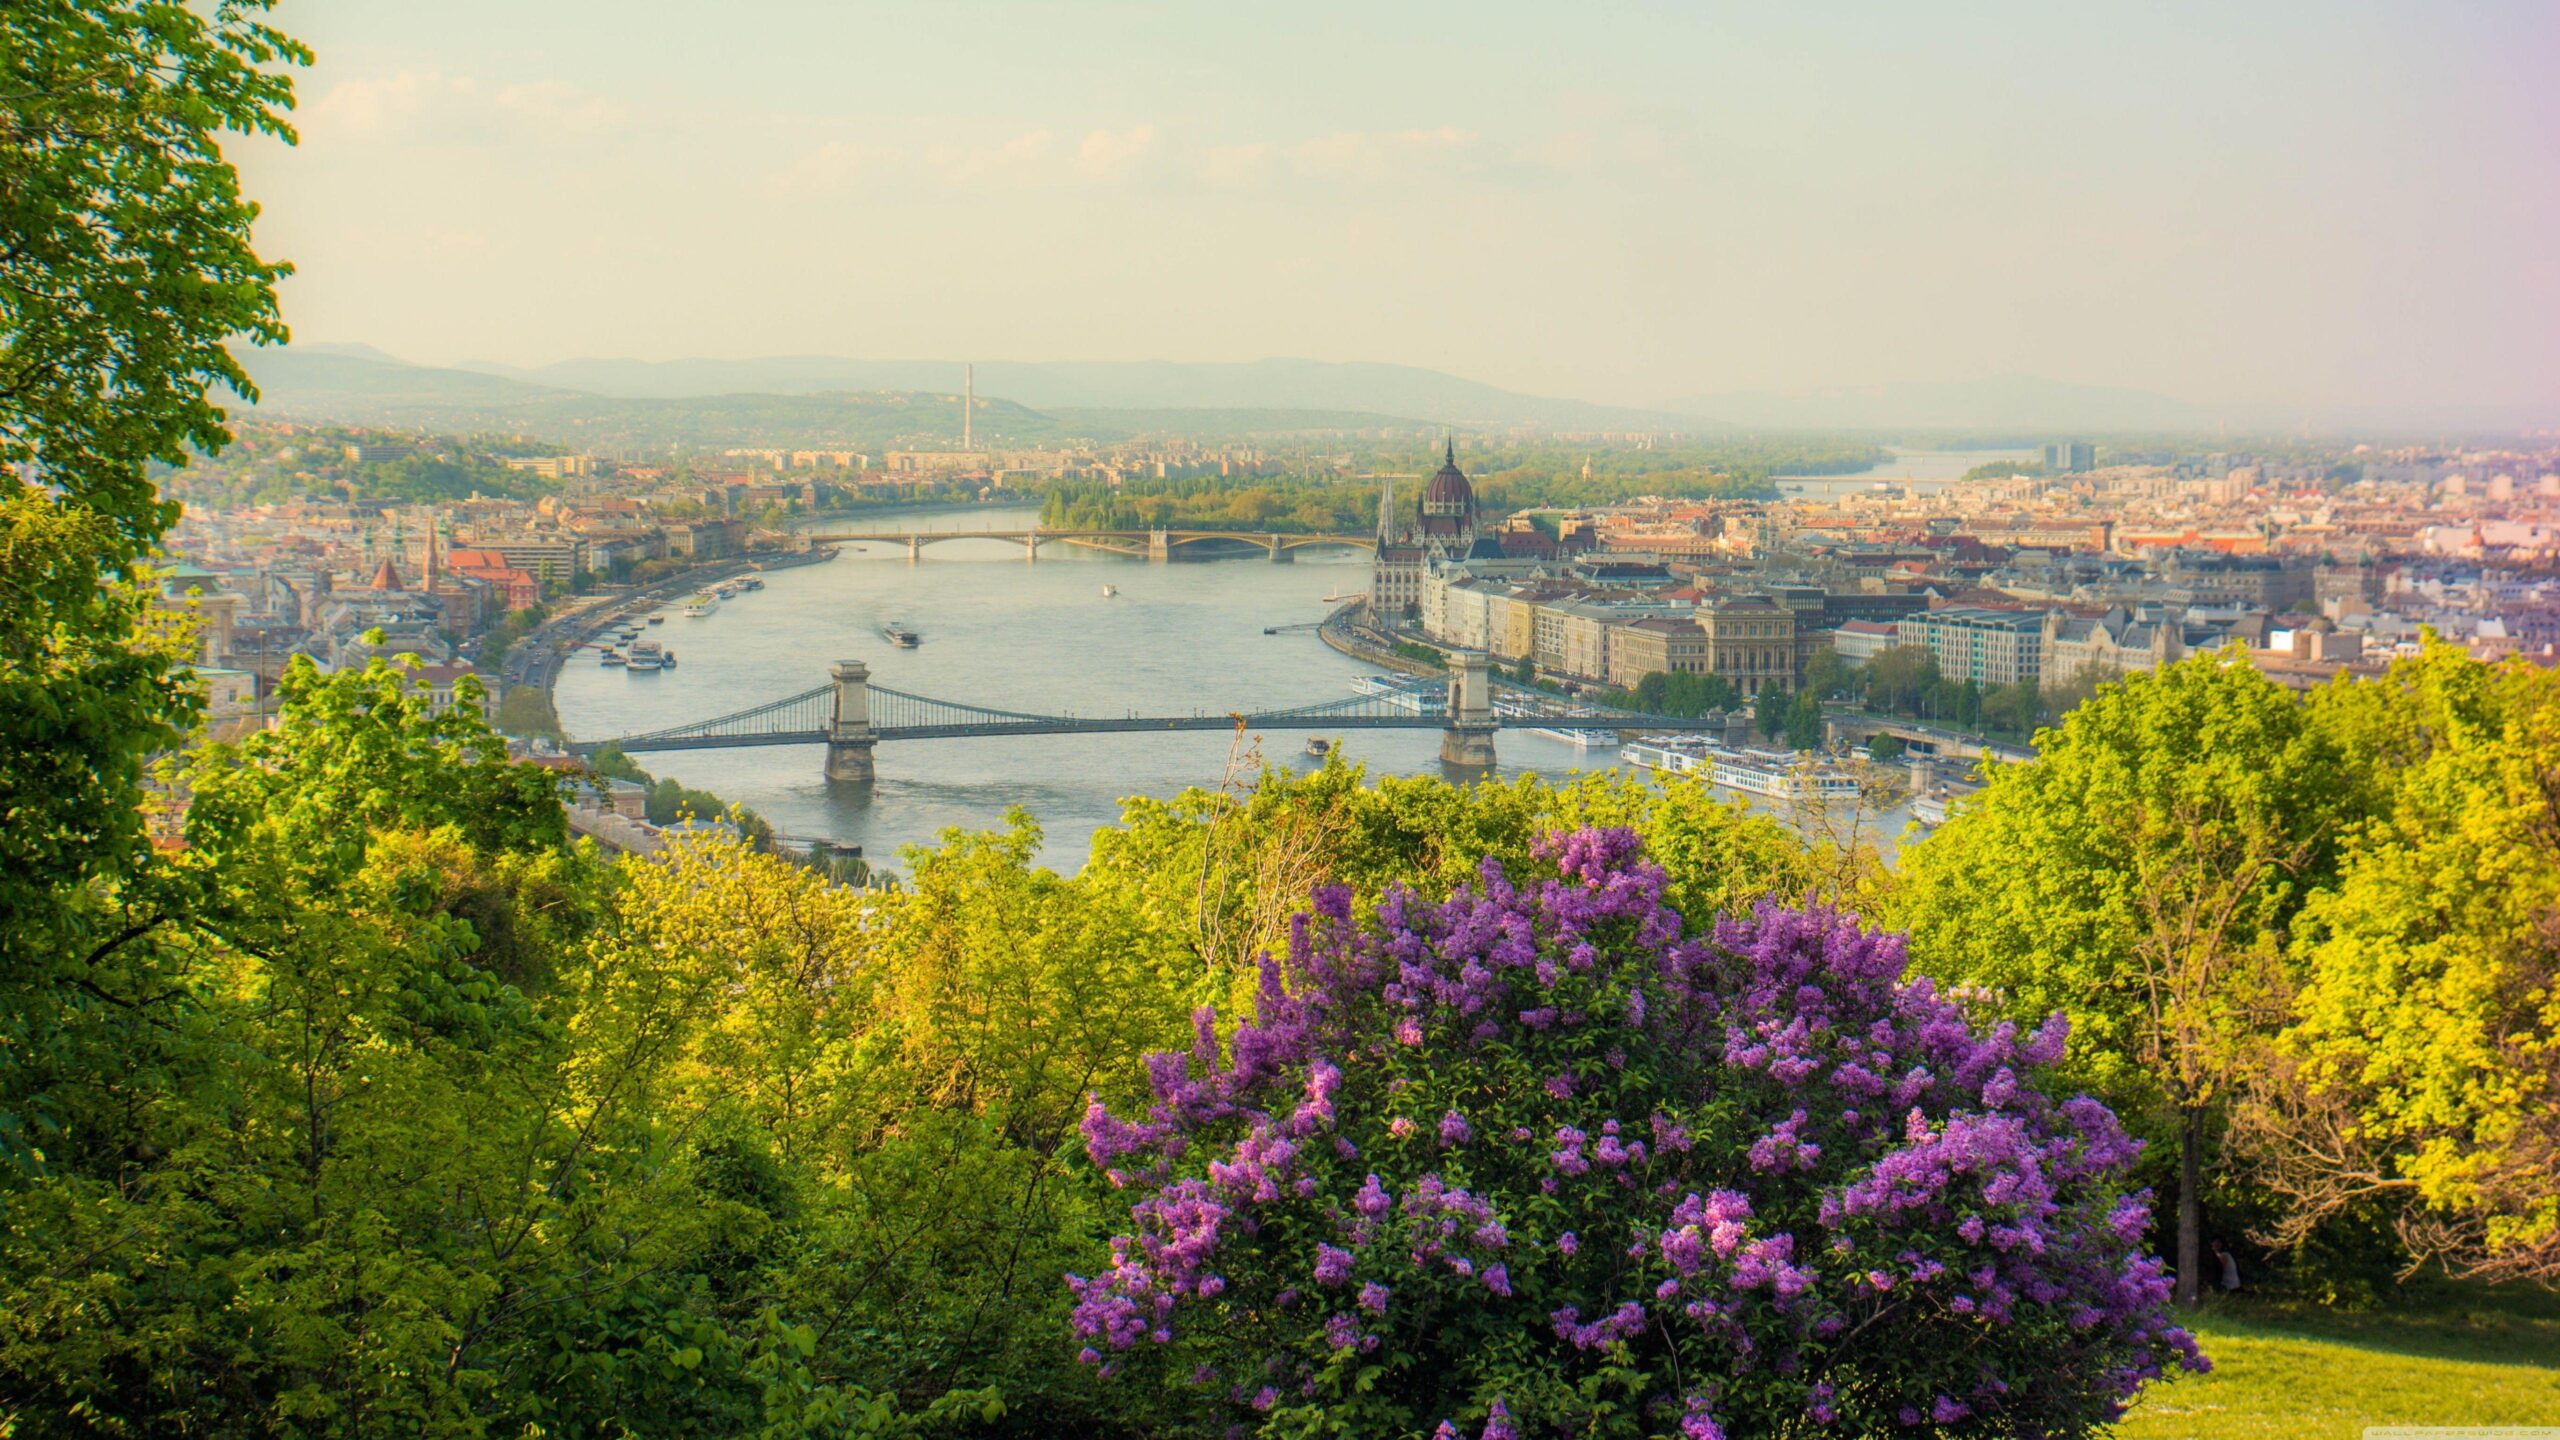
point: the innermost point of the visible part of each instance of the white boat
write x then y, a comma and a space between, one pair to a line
1930, 810
1318, 747
898, 634
1109, 590
1770, 774
1422, 697
1671, 754
701, 605
646, 658
1578, 736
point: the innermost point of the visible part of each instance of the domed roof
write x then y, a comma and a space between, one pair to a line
1449, 486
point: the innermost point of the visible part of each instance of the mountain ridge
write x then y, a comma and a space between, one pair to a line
1279, 383
362, 382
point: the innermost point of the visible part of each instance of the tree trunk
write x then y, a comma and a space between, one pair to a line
2190, 1206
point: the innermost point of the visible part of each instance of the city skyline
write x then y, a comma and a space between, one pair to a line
2267, 207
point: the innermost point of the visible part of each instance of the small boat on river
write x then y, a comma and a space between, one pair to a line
897, 633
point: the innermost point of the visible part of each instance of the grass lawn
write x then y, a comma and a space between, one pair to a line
2436, 1356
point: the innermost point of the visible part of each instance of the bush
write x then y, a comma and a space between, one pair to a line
1533, 1161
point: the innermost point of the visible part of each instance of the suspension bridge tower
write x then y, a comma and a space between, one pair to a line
1467, 740
849, 734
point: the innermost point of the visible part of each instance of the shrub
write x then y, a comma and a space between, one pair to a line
1533, 1161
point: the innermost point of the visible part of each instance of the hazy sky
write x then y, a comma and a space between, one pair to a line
2328, 204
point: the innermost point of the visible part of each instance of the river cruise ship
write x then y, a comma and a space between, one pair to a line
1405, 692
1580, 737
647, 657
700, 605
1771, 774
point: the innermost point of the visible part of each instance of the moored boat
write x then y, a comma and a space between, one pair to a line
1770, 774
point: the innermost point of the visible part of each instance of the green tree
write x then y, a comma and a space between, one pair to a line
1899, 680
1827, 675
2141, 875
1882, 747
2421, 1073
1769, 711
128, 266
125, 267
1804, 722
2013, 709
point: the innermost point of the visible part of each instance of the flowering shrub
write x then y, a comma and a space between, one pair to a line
1532, 1161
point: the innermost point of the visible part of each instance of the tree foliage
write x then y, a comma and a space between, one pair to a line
2421, 1072
125, 266
2141, 876
128, 265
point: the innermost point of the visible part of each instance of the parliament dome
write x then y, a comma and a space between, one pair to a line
1449, 487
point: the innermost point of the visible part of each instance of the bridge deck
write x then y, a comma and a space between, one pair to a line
806, 719
1138, 539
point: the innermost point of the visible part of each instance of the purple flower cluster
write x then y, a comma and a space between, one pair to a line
1757, 1164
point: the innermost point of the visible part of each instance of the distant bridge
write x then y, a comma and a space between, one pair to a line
849, 715
1155, 544
1849, 727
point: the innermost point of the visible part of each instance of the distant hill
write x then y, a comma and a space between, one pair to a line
1428, 396
811, 399
341, 386
359, 385
2013, 402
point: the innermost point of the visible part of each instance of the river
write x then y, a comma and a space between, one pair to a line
1015, 635
1002, 632
1918, 471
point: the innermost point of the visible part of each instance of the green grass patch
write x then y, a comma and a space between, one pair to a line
2427, 1356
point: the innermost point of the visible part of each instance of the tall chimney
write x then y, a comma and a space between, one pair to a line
968, 403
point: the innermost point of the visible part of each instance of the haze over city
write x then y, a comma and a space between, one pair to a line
2277, 213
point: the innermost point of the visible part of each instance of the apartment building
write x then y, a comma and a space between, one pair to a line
545, 559
1987, 647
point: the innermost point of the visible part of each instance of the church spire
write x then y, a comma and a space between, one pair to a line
1450, 455
1386, 510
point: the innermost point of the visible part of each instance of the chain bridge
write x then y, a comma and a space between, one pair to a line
850, 716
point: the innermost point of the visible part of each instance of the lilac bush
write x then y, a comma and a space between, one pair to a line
1537, 1161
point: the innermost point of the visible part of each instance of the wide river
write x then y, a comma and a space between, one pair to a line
1042, 637
1016, 636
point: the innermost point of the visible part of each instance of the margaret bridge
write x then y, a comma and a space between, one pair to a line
1156, 544
849, 716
